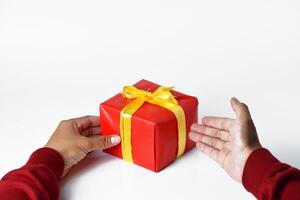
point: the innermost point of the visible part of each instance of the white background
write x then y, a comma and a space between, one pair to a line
59, 59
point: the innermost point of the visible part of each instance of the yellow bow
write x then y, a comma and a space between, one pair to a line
162, 97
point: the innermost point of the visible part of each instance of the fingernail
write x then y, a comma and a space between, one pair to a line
115, 139
199, 128
191, 135
194, 126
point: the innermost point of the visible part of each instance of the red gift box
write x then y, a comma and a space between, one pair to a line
154, 131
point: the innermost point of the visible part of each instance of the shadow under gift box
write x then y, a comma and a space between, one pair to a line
154, 132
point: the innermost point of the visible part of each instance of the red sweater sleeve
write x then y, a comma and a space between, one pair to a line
267, 178
38, 179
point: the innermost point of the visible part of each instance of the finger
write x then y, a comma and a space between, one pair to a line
241, 110
92, 131
213, 132
211, 141
102, 142
208, 150
83, 123
218, 122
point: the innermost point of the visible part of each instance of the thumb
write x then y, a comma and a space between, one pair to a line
103, 142
241, 110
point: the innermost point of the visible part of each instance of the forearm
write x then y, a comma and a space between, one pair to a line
267, 178
38, 179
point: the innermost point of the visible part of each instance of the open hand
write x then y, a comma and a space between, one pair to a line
228, 141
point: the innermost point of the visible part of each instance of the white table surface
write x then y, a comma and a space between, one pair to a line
59, 59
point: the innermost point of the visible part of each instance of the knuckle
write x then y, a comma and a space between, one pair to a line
87, 116
105, 142
203, 129
62, 122
213, 143
218, 133
76, 125
225, 137
220, 144
222, 123
199, 137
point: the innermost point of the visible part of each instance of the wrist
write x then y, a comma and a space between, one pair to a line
245, 155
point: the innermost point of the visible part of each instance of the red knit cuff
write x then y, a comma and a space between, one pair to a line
256, 167
50, 158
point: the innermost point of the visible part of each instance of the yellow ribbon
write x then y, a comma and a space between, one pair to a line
161, 97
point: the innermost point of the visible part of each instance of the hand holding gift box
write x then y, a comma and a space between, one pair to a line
153, 122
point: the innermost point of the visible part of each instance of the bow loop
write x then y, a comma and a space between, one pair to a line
162, 94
